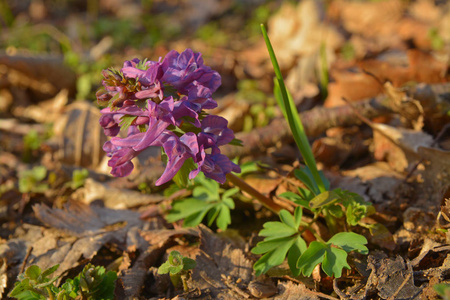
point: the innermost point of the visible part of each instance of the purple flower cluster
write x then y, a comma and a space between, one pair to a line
161, 104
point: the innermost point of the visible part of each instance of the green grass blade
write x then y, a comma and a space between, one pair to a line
290, 111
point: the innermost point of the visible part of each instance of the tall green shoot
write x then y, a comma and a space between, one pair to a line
290, 112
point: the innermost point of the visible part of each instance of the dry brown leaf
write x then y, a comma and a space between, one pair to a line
113, 197
94, 226
79, 219
410, 110
398, 146
292, 291
351, 85
217, 258
394, 278
297, 32
436, 177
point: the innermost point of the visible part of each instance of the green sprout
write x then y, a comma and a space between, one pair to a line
178, 268
30, 181
78, 179
92, 283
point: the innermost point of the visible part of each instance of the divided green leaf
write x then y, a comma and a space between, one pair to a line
281, 239
332, 254
207, 200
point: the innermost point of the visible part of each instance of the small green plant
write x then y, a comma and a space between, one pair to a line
78, 179
95, 283
437, 42
30, 181
443, 290
178, 268
341, 210
92, 283
281, 239
208, 200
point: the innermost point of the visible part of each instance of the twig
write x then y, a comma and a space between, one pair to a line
266, 201
340, 293
24, 263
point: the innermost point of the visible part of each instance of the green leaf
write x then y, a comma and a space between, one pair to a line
175, 269
298, 213
228, 202
126, 121
306, 177
306, 195
106, 287
164, 268
182, 177
184, 208
50, 271
294, 254
274, 257
28, 295
291, 114
224, 218
188, 263
334, 261
228, 193
20, 287
33, 272
236, 142
195, 219
313, 256
277, 230
271, 244
206, 194
294, 198
443, 289
212, 214
350, 241
323, 199
39, 173
287, 219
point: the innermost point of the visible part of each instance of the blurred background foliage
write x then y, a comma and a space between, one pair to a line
91, 35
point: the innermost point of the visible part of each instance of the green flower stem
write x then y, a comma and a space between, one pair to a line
50, 293
175, 279
293, 118
266, 201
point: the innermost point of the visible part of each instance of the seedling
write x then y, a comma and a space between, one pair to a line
92, 283
178, 268
78, 178
30, 181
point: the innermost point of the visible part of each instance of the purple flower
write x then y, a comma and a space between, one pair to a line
217, 166
110, 124
177, 151
158, 100
215, 132
201, 97
181, 70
